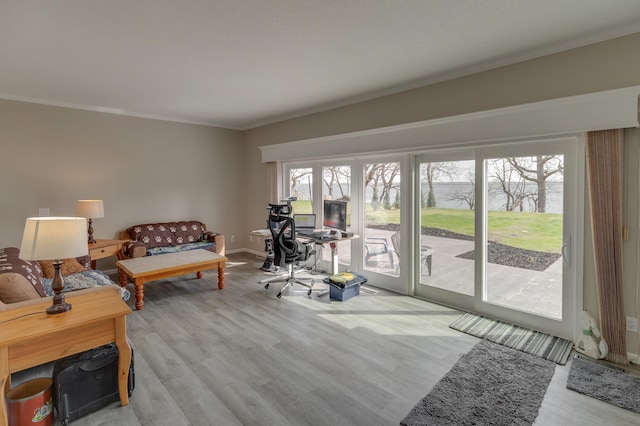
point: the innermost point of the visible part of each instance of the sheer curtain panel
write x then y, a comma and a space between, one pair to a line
604, 159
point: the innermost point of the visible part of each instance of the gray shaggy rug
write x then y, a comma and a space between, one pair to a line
490, 385
604, 383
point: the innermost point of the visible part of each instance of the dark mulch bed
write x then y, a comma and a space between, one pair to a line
516, 257
499, 254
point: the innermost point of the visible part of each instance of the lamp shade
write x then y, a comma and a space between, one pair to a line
50, 238
90, 208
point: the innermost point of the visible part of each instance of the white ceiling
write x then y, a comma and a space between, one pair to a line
243, 63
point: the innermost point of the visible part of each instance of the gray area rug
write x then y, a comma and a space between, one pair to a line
604, 383
490, 385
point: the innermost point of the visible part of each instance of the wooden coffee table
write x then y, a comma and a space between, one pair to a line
152, 268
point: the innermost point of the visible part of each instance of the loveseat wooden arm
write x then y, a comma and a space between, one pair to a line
216, 238
133, 249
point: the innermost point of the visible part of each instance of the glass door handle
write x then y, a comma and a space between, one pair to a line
566, 251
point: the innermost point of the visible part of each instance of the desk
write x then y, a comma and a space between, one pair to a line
266, 234
333, 244
30, 337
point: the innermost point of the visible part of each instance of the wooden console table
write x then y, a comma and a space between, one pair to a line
30, 337
152, 268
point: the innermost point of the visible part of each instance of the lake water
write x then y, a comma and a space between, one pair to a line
444, 193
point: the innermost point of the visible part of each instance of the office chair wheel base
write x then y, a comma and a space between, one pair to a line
279, 295
266, 286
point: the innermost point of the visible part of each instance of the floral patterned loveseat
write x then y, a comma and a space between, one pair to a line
150, 239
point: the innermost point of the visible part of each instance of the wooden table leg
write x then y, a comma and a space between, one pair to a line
5, 382
122, 278
221, 275
124, 359
139, 284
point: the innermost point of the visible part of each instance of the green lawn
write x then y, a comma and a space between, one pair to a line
533, 231
302, 206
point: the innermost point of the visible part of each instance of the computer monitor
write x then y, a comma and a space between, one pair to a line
304, 221
335, 215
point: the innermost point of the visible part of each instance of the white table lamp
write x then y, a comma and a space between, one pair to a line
91, 209
54, 238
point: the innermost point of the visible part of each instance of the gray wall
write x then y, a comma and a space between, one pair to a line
144, 170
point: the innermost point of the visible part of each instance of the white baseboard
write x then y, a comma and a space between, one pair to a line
260, 254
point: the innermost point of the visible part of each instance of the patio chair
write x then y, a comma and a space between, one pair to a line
425, 253
376, 246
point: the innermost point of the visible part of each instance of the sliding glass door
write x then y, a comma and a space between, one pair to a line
336, 186
446, 229
524, 210
382, 218
495, 230
491, 229
372, 192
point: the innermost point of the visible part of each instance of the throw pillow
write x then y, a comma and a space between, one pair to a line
69, 266
16, 288
19, 279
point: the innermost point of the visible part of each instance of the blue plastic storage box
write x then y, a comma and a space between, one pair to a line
345, 290
343, 294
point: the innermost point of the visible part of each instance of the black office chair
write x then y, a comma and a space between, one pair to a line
287, 250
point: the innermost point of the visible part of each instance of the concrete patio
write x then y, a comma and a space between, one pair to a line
518, 288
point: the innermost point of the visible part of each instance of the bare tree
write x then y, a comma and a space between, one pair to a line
296, 176
381, 177
343, 174
330, 177
466, 196
538, 171
509, 182
432, 172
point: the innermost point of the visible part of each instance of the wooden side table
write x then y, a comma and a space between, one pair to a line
30, 337
104, 248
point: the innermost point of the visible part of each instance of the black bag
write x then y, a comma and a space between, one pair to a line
86, 382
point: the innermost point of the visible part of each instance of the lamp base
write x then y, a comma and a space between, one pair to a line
90, 239
59, 308
57, 285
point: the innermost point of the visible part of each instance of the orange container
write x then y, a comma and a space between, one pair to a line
30, 403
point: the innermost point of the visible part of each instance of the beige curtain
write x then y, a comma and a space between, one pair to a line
604, 159
273, 177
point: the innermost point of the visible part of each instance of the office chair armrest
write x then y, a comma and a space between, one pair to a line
305, 250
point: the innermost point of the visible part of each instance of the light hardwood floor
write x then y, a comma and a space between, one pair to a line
239, 356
